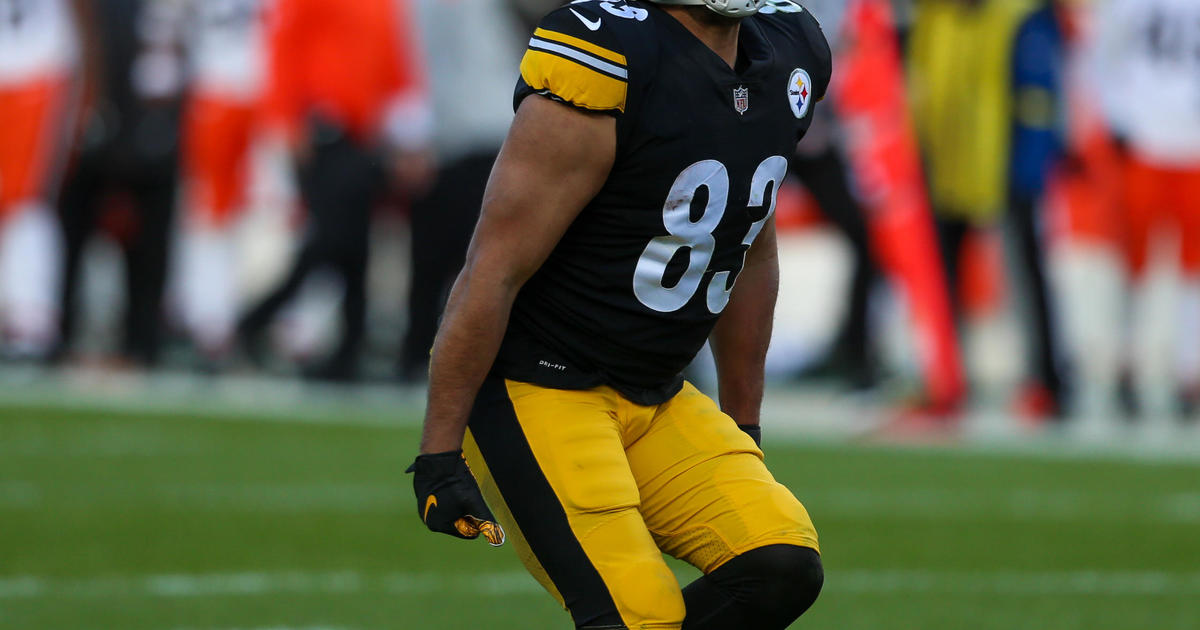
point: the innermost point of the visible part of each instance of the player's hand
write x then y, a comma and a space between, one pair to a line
448, 499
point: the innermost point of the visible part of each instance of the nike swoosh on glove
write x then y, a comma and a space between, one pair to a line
448, 499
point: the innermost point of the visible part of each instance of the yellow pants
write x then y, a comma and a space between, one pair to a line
593, 488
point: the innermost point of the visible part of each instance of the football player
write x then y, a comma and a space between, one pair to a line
346, 94
228, 75
636, 185
1154, 45
39, 58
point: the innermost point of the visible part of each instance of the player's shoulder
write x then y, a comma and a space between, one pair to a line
584, 53
614, 30
788, 23
791, 20
610, 21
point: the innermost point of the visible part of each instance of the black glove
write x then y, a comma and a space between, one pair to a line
448, 499
754, 431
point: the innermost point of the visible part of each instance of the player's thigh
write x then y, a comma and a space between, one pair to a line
215, 161
1187, 208
552, 467
1144, 212
707, 496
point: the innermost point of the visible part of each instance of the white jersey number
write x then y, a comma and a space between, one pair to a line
14, 13
1173, 38
649, 276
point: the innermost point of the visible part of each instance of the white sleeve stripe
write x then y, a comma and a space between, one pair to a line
582, 57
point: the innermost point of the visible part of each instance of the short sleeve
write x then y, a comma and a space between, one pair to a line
820, 48
575, 58
800, 27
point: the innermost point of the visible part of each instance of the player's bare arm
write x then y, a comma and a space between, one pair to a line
553, 162
740, 338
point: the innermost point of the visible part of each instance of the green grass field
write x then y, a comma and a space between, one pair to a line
139, 521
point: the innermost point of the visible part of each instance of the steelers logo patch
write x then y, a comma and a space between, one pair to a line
799, 92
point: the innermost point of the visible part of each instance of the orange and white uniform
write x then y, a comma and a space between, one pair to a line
228, 59
38, 53
1148, 72
1147, 69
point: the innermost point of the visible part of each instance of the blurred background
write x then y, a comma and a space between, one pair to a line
228, 229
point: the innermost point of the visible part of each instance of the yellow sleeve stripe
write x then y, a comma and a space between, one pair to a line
566, 52
581, 44
579, 85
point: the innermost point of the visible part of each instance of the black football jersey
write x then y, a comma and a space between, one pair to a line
631, 292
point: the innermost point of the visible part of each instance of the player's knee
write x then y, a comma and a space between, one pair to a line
773, 584
791, 579
647, 596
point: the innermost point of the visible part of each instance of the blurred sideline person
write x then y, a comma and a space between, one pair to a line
880, 143
636, 186
1153, 46
227, 53
821, 167
348, 97
1087, 213
38, 60
962, 60
1039, 59
472, 47
124, 170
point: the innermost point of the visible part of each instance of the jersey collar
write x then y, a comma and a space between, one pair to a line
755, 53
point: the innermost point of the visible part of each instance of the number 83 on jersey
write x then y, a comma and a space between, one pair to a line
697, 236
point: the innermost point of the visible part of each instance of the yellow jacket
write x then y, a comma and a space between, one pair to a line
960, 64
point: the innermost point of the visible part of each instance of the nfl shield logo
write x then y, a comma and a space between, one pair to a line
741, 99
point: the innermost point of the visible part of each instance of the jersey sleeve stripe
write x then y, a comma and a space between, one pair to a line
581, 44
567, 80
595, 63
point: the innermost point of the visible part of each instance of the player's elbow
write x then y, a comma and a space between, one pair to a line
505, 274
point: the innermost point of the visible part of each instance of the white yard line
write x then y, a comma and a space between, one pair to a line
261, 583
1014, 504
790, 416
255, 399
273, 628
255, 497
507, 583
1129, 583
1018, 504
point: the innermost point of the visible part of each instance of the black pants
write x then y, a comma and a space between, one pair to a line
442, 223
825, 177
952, 233
1030, 263
338, 184
144, 236
1029, 269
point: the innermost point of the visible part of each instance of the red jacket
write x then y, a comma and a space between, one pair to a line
355, 62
